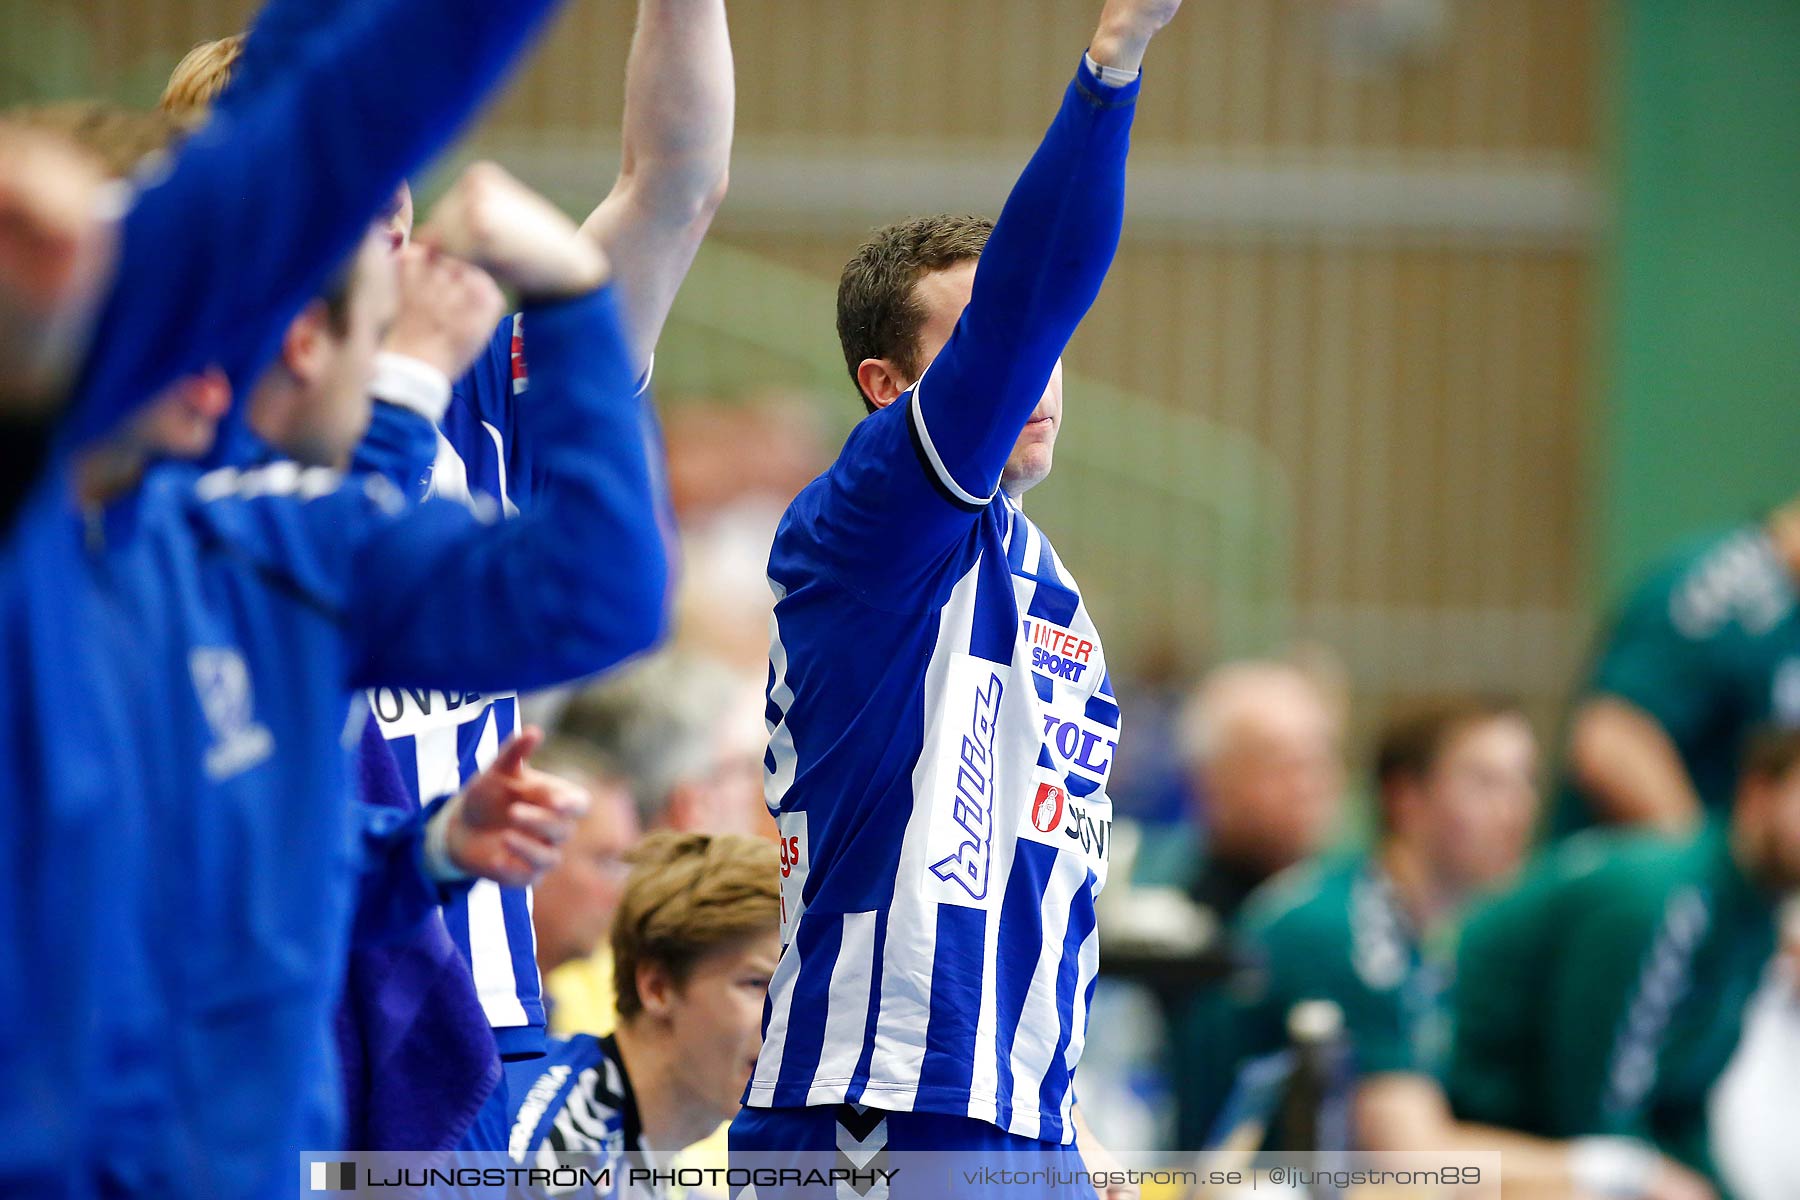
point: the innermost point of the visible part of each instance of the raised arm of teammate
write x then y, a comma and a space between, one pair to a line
1043, 265
263, 202
676, 151
447, 311
284, 34
576, 583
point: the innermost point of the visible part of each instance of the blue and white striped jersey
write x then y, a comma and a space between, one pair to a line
943, 836
578, 1110
941, 718
442, 740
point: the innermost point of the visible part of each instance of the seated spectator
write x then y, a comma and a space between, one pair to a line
1262, 745
573, 905
695, 941
687, 735
1457, 801
1604, 995
1368, 933
1701, 653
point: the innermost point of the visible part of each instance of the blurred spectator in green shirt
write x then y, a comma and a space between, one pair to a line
1705, 650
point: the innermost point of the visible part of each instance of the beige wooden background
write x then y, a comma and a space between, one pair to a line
1337, 385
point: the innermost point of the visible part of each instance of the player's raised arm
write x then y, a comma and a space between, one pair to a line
1042, 266
579, 581
447, 310
676, 151
262, 204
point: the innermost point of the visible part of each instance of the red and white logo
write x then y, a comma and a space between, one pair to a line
792, 827
1047, 809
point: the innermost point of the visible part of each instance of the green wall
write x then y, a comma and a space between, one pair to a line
1701, 330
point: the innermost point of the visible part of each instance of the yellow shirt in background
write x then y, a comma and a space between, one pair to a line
581, 995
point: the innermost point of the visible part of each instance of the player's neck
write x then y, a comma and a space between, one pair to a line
671, 1117
1423, 894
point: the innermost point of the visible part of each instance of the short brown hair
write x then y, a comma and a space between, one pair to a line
878, 311
118, 138
201, 77
1411, 744
1772, 752
690, 894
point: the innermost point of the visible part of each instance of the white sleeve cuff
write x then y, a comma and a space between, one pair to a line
410, 384
1613, 1167
1111, 76
436, 852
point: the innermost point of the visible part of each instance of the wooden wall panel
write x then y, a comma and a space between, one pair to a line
1513, 75
1423, 397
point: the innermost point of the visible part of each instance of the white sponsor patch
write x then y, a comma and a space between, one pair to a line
1079, 825
966, 783
406, 712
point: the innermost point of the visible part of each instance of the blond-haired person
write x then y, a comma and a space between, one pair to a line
694, 944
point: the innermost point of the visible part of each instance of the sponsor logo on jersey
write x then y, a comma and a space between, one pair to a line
791, 828
1047, 809
972, 807
521, 374
222, 683
537, 1100
1663, 983
406, 711
1088, 832
1057, 652
1089, 749
1079, 824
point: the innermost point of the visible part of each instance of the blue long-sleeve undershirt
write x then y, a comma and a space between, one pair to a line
1038, 275
429, 596
399, 445
906, 491
586, 563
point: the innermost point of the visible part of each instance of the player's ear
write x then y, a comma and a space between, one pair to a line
304, 345
881, 382
655, 988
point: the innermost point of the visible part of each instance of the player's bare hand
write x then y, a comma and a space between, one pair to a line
1672, 1181
1126, 27
448, 310
510, 823
55, 254
521, 239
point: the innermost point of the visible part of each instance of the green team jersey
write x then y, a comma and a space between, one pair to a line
1708, 645
1604, 994
1332, 930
